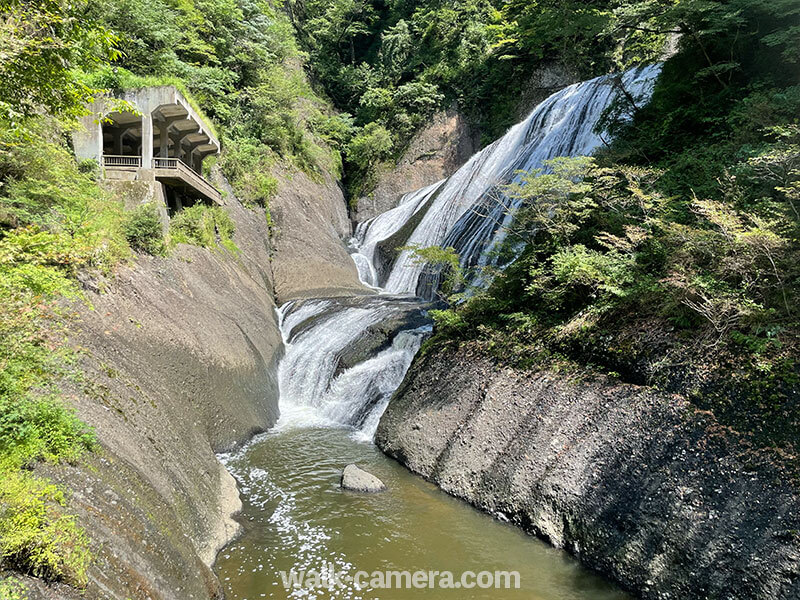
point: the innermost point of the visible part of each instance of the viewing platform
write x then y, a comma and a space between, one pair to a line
164, 140
170, 171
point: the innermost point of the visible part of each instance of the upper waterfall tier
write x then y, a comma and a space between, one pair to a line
468, 211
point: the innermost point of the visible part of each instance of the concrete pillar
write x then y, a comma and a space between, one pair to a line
163, 134
190, 154
88, 139
176, 146
117, 134
184, 150
166, 134
96, 135
147, 141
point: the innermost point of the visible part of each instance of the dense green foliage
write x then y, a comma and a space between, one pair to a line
735, 78
12, 588
38, 537
394, 62
143, 230
40, 45
204, 226
604, 241
54, 222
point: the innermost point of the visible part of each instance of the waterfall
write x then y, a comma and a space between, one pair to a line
319, 385
469, 211
315, 390
370, 233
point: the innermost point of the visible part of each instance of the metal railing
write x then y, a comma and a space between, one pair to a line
111, 160
197, 180
172, 164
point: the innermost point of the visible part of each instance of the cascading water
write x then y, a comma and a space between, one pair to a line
345, 358
468, 211
315, 390
370, 233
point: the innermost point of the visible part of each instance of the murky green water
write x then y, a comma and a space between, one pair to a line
296, 516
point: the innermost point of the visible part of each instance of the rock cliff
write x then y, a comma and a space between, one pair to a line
435, 152
311, 223
638, 484
178, 363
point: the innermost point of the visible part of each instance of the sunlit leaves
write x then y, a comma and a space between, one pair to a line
41, 46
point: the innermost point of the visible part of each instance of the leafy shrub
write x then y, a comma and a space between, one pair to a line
41, 429
55, 222
371, 145
201, 225
247, 164
91, 168
449, 323
366, 150
266, 188
44, 189
442, 263
45, 43
143, 230
12, 588
36, 537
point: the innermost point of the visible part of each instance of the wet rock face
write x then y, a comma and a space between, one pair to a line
379, 336
436, 152
311, 226
355, 479
637, 484
542, 82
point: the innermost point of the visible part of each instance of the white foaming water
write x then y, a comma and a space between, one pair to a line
468, 210
370, 233
315, 389
307, 542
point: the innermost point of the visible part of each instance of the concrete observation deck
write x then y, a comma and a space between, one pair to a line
165, 141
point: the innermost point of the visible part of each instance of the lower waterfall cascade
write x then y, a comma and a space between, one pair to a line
332, 394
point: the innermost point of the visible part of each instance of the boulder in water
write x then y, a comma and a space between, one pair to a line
358, 480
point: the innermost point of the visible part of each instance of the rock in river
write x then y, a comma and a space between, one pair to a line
358, 480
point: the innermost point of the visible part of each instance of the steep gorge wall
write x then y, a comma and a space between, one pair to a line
638, 484
310, 258
435, 152
179, 363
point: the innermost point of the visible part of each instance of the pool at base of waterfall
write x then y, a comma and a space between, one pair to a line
297, 519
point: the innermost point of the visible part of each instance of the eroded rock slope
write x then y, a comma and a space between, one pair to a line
636, 483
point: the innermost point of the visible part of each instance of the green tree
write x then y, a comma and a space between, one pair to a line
42, 44
370, 146
397, 46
